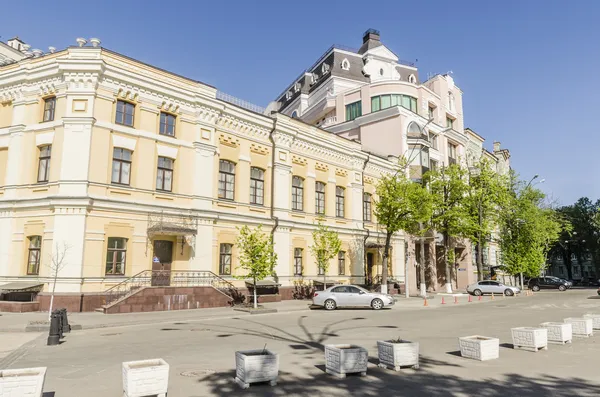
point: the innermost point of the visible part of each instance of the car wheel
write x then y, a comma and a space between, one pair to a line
509, 292
377, 304
562, 288
477, 292
535, 288
330, 304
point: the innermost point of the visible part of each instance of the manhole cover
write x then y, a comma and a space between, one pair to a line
195, 374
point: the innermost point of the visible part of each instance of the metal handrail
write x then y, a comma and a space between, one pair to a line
172, 278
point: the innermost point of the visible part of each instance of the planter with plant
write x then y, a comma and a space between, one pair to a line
346, 359
253, 366
398, 353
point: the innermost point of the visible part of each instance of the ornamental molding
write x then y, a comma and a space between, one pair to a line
242, 127
320, 151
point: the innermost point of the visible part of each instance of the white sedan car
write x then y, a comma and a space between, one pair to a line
492, 287
351, 296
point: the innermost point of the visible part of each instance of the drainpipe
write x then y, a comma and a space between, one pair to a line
273, 217
366, 229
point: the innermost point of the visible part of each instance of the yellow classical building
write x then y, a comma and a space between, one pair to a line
110, 167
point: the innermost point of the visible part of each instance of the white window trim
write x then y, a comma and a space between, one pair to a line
345, 64
167, 151
124, 143
44, 139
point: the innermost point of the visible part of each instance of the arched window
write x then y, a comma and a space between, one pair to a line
345, 64
414, 129
294, 114
412, 79
451, 101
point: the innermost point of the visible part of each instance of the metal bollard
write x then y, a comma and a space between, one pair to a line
54, 334
60, 323
65, 321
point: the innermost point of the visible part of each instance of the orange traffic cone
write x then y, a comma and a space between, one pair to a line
455, 300
470, 300
492, 298
479, 298
425, 302
443, 302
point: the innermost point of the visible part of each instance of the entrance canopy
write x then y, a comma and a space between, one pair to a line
34, 286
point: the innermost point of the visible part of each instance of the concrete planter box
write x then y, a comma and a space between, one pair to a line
581, 326
479, 347
595, 320
346, 359
559, 332
397, 355
253, 366
26, 382
145, 378
530, 338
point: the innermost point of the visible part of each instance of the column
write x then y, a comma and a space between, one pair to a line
68, 246
75, 156
202, 258
283, 247
6, 257
204, 177
15, 162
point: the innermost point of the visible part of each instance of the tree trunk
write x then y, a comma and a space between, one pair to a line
479, 250
384, 270
255, 297
423, 283
324, 278
447, 266
568, 264
52, 297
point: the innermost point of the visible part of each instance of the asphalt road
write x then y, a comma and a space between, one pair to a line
201, 354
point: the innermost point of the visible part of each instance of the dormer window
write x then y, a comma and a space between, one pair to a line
288, 95
297, 87
324, 68
412, 79
345, 64
313, 78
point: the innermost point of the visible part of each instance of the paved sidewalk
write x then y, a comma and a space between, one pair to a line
17, 322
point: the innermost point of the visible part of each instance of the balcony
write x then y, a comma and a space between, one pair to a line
329, 121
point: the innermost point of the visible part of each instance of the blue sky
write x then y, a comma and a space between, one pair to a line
529, 70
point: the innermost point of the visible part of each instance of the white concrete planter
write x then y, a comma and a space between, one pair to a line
530, 338
559, 332
397, 355
256, 366
595, 320
26, 382
581, 326
146, 378
479, 347
345, 359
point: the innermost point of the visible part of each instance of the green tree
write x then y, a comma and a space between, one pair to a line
486, 194
401, 204
450, 215
257, 255
326, 245
528, 229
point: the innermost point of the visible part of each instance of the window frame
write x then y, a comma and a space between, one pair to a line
121, 163
123, 120
45, 158
256, 184
166, 124
163, 170
49, 110
298, 261
408, 102
433, 140
225, 251
353, 110
449, 122
340, 202
341, 263
431, 112
297, 192
320, 198
367, 207
227, 178
37, 251
115, 251
452, 149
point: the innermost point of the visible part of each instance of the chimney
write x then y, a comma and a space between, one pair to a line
496, 147
371, 34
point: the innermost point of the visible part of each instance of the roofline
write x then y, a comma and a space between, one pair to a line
474, 133
12, 49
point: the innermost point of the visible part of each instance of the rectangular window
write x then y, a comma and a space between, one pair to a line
297, 193
375, 104
367, 207
298, 261
33, 259
339, 201
124, 115
164, 175
353, 110
341, 263
433, 139
226, 180
381, 102
320, 198
430, 111
121, 166
49, 109
386, 101
44, 163
449, 122
257, 186
115, 256
167, 124
451, 154
433, 165
225, 259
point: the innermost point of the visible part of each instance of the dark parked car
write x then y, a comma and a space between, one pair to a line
535, 284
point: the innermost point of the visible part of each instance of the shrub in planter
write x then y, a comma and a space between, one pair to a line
346, 359
26, 382
253, 366
145, 378
398, 353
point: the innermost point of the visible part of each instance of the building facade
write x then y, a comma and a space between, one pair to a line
110, 167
